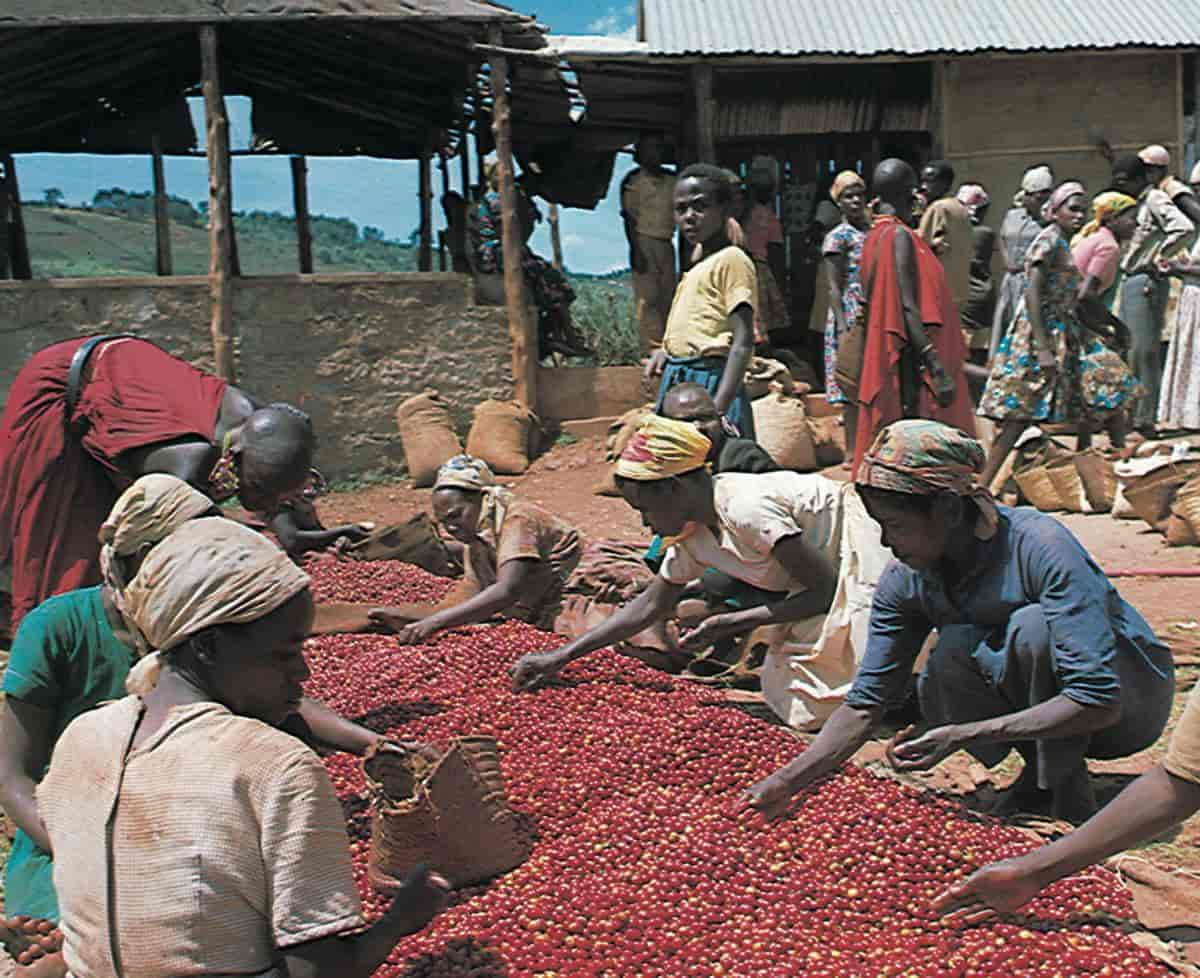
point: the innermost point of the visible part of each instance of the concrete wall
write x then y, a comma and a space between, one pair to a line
1002, 114
348, 348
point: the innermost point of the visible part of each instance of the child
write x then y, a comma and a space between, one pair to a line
710, 330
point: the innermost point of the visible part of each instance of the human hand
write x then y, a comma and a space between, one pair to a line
416, 633
423, 751
421, 897
945, 388
772, 795
534, 669
1002, 887
655, 363
30, 940
351, 532
710, 631
909, 752
389, 619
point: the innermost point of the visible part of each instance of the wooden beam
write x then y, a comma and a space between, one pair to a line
300, 205
425, 196
555, 237
521, 327
464, 163
163, 264
220, 208
4, 235
18, 243
1180, 137
706, 113
444, 167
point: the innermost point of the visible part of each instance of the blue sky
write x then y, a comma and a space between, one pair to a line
368, 191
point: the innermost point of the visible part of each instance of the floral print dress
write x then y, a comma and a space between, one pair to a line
847, 241
1090, 378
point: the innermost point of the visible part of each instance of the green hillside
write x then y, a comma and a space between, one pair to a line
68, 242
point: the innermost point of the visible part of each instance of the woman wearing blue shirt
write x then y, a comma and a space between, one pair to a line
1035, 651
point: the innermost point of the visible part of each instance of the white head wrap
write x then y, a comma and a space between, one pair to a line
1037, 179
1194, 176
209, 572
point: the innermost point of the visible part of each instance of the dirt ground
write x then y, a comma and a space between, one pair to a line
563, 480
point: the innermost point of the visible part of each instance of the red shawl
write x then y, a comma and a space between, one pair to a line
879, 401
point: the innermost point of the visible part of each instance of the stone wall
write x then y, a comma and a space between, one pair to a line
348, 348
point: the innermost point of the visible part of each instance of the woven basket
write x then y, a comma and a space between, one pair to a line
1068, 485
1187, 506
1151, 494
1099, 479
1037, 487
451, 815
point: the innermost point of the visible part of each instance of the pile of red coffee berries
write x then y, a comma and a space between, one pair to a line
645, 868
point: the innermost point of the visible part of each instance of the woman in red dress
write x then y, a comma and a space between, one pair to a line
914, 353
86, 417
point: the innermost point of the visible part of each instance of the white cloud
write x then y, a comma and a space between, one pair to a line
617, 22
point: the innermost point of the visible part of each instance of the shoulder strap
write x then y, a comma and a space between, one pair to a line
79, 361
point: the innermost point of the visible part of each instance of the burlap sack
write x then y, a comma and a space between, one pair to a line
500, 436
781, 427
451, 815
829, 440
414, 541
762, 372
426, 434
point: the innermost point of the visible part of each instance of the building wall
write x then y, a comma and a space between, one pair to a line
346, 348
1002, 114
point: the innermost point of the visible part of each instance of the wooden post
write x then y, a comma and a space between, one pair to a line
4, 232
425, 251
300, 205
162, 219
521, 326
464, 162
445, 168
220, 209
555, 237
706, 113
18, 243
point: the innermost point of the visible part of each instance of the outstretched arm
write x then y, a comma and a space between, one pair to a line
1153, 803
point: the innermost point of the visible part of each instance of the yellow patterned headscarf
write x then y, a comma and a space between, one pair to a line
1104, 206
661, 448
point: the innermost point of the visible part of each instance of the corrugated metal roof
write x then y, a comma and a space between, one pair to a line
914, 27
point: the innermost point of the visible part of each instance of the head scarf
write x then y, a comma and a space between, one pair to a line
1037, 179
208, 572
972, 196
921, 457
1194, 176
1105, 205
149, 511
843, 182
1062, 193
661, 448
472, 474
1155, 155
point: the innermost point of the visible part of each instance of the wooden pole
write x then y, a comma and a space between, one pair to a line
18, 243
5, 238
464, 162
425, 251
220, 210
555, 237
163, 263
706, 113
521, 326
445, 168
300, 205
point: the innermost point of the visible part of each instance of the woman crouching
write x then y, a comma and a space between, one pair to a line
778, 534
210, 842
516, 556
